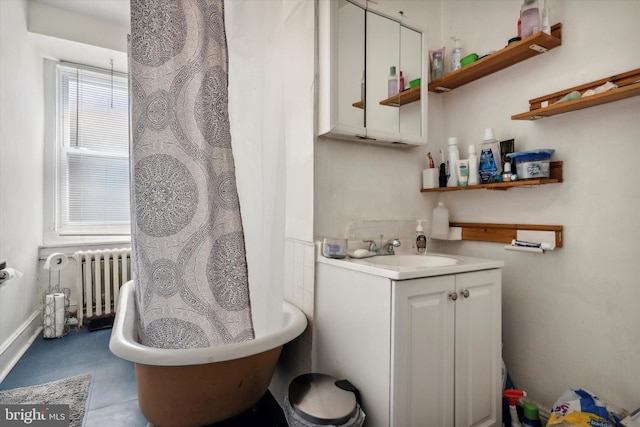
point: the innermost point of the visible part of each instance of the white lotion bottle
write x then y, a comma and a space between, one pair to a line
421, 239
454, 156
473, 166
456, 54
440, 222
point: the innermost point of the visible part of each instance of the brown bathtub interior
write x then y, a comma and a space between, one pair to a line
197, 395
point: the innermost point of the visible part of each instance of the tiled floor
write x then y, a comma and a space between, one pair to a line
113, 400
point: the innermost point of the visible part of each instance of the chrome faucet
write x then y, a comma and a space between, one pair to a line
385, 248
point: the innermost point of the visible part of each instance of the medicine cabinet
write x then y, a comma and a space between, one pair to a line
357, 48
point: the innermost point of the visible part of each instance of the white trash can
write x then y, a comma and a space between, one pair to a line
322, 400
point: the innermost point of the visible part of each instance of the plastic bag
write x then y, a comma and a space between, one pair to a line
579, 407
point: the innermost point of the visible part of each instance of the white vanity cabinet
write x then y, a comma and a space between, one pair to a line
423, 352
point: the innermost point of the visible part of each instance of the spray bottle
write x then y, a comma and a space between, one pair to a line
512, 396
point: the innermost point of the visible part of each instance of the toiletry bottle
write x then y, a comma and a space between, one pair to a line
546, 26
393, 82
421, 239
530, 15
454, 156
401, 83
490, 164
456, 54
436, 65
473, 166
506, 174
440, 222
463, 172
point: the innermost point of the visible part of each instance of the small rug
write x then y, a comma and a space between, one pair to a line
71, 391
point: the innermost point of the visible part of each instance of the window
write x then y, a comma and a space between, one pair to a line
92, 170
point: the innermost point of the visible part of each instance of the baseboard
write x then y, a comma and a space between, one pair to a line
19, 342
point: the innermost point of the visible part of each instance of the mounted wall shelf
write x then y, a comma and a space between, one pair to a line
512, 54
555, 176
405, 97
628, 86
504, 233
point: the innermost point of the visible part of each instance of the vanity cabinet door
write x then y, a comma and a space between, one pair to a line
446, 347
423, 352
478, 343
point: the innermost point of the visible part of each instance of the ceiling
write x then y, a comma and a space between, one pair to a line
115, 11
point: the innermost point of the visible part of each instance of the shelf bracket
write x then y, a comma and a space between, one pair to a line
538, 48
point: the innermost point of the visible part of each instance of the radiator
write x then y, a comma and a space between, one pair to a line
99, 276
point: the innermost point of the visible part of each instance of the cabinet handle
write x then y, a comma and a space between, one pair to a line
453, 296
465, 293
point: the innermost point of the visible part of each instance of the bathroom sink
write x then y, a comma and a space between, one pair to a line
403, 266
416, 261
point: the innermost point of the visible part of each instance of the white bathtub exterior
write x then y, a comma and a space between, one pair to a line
124, 344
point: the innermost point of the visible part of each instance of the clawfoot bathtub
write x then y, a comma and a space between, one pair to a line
196, 387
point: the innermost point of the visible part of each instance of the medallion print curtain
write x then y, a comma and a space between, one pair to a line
187, 236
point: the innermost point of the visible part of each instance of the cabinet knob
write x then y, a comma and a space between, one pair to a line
453, 296
465, 293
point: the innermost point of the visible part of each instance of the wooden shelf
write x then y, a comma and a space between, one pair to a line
405, 97
512, 54
628, 86
359, 104
503, 233
555, 176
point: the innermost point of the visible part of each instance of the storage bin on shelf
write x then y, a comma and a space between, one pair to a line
532, 164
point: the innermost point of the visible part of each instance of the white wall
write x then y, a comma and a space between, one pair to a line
570, 317
21, 128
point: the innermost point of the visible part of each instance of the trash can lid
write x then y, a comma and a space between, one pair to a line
316, 398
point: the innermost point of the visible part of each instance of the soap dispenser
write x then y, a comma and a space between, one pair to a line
421, 239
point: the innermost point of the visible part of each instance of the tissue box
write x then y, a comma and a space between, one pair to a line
532, 164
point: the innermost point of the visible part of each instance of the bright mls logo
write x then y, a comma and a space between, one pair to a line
34, 415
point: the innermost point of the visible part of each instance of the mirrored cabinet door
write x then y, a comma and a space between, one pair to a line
359, 49
383, 59
351, 67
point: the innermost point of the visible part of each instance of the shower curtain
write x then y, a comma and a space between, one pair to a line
187, 235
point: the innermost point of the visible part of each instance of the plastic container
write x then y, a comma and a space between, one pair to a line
393, 82
440, 222
531, 416
472, 57
473, 166
454, 156
532, 164
401, 83
530, 16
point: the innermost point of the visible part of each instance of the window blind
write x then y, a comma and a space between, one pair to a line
93, 152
